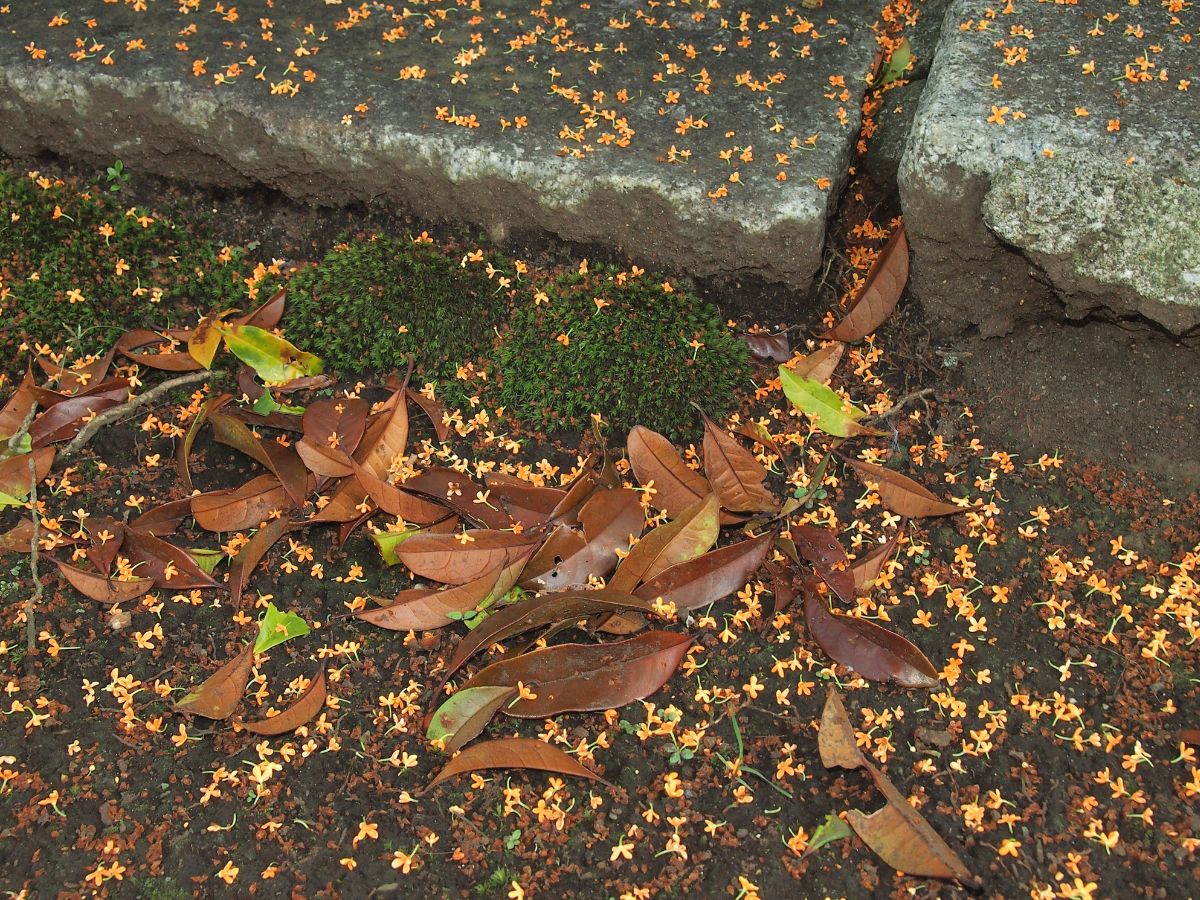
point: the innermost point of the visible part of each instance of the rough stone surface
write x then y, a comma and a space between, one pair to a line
923, 34
1060, 212
704, 139
1054, 166
893, 122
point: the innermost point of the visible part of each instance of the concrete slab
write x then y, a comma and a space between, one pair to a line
1054, 166
702, 136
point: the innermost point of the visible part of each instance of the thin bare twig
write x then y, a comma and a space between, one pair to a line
36, 595
901, 403
117, 412
15, 438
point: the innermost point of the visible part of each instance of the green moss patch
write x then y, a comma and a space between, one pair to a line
372, 302
77, 268
629, 348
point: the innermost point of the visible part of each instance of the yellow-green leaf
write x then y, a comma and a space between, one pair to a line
897, 63
277, 627
206, 559
387, 542
822, 405
274, 359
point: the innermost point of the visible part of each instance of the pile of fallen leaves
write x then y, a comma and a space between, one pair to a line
516, 563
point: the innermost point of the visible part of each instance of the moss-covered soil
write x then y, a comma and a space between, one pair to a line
1054, 757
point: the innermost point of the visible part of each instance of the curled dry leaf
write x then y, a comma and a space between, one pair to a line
169, 566
579, 492
183, 455
782, 587
514, 753
611, 517
14, 471
735, 475
284, 421
268, 314
385, 439
168, 361
218, 696
299, 713
101, 589
757, 432
901, 494
421, 609
388, 541
570, 677
15, 409
106, 535
686, 537
63, 420
836, 742
434, 411
460, 493
902, 838
162, 519
17, 539
873, 652
252, 553
654, 458
332, 428
706, 579
460, 719
819, 365
527, 504
393, 500
897, 833
282, 461
245, 507
867, 569
547, 609
821, 548
76, 380
771, 347
113, 389
554, 566
880, 293
459, 558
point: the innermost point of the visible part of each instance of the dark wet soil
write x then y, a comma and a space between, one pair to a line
1050, 638
1126, 396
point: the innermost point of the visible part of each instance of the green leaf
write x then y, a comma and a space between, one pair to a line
7, 500
897, 63
387, 541
207, 560
273, 358
834, 828
822, 405
464, 715
277, 627
266, 404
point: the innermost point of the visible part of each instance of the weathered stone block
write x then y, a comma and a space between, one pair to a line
707, 140
1054, 166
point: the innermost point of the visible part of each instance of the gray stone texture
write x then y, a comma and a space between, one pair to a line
505, 115
893, 122
1086, 198
921, 26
